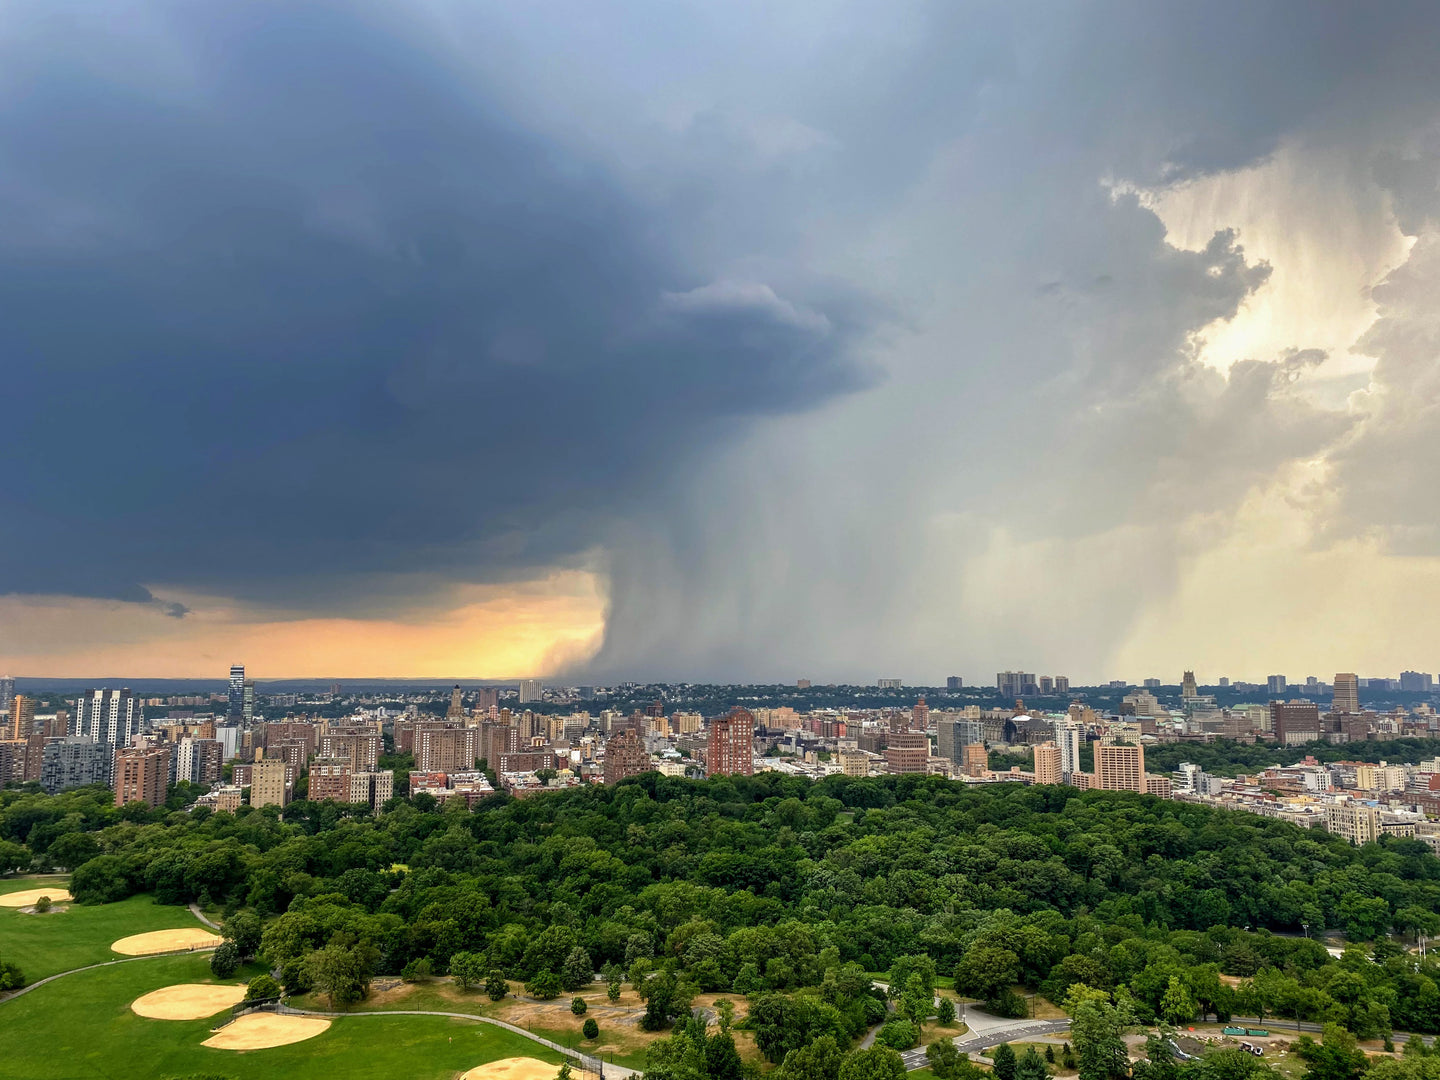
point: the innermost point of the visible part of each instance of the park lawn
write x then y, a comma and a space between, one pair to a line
934, 1031
33, 881
81, 1027
81, 934
621, 1040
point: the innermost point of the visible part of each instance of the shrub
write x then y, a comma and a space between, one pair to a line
898, 1035
43, 905
577, 1006
225, 960
11, 977
591, 1030
946, 1012
613, 990
416, 970
260, 987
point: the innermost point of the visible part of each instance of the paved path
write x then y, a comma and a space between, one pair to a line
107, 963
987, 1030
195, 910
569, 1051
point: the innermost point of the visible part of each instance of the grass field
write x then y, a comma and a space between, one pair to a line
621, 1040
81, 1027
46, 944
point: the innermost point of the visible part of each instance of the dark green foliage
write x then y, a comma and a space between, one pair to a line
578, 1006
898, 1035
758, 885
495, 986
417, 970
1335, 1057
945, 1011
577, 972
1031, 1066
877, 1063
1002, 1059
225, 960
467, 969
262, 986
546, 986
342, 971
245, 929
783, 1023
590, 1029
943, 1058
820, 1060
11, 977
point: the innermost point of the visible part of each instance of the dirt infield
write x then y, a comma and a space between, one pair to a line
257, 1030
521, 1068
57, 893
158, 941
187, 1001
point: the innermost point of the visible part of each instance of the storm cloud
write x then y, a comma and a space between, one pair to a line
829, 335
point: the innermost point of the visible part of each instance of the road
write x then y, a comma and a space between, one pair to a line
987, 1030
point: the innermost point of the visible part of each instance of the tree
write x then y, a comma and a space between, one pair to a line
1176, 1005
1335, 1057
877, 1063
908, 967
612, 991
725, 1011
590, 1029
945, 1011
102, 880
565, 1073
1098, 1028
11, 977
722, 1060
245, 929
342, 971
818, 1061
577, 1006
987, 972
262, 987
546, 986
467, 969
417, 970
918, 1001
225, 960
1002, 1060
496, 987
943, 1057
900, 1035
1031, 1066
577, 972
72, 850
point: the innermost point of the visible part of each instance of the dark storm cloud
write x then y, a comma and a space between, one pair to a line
298, 300
307, 305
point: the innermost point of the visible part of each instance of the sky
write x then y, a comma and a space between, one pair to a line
719, 342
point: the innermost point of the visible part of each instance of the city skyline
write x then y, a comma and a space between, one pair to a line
718, 343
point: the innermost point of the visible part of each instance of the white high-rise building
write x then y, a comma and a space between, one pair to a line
108, 716
1067, 737
531, 690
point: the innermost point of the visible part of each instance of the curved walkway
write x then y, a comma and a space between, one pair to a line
568, 1051
108, 963
195, 910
